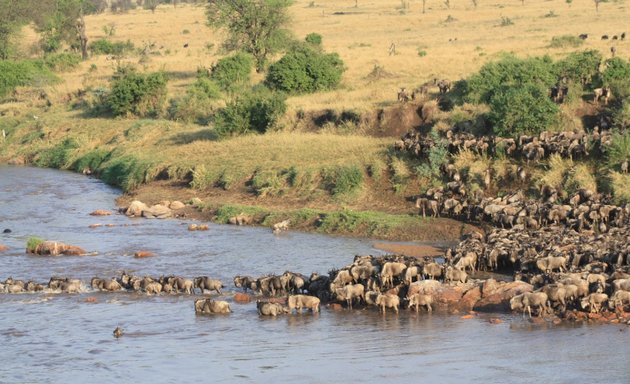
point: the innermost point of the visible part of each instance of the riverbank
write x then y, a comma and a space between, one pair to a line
398, 223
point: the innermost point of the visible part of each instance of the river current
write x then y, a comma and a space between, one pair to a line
61, 338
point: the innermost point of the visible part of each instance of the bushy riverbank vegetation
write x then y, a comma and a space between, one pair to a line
314, 118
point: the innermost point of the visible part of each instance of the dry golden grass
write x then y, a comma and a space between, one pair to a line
362, 37
619, 183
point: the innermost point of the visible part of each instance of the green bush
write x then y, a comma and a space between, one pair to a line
617, 70
579, 67
257, 111
91, 160
23, 73
523, 110
510, 71
62, 62
106, 47
198, 104
126, 172
232, 72
342, 180
57, 156
314, 39
138, 94
619, 149
32, 243
268, 183
305, 70
566, 41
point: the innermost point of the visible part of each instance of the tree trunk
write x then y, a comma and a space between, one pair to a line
83, 40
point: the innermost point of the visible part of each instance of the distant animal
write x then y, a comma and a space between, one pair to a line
623, 36
206, 283
604, 37
388, 301
209, 306
298, 302
615, 37
271, 309
613, 51
583, 36
186, 45
118, 332
417, 300
403, 96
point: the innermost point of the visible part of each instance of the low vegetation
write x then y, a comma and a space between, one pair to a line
313, 121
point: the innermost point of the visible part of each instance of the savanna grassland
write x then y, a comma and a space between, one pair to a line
307, 168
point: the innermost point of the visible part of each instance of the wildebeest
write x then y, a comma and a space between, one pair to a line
205, 283
403, 96
388, 301
527, 300
351, 292
418, 299
583, 36
209, 306
604, 37
594, 302
270, 309
298, 302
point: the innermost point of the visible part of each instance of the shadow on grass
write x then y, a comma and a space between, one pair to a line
189, 137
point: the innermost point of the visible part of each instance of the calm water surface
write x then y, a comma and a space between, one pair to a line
62, 338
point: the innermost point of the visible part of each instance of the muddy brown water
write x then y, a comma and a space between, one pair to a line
64, 338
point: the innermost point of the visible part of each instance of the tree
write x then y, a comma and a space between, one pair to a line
254, 26
150, 4
515, 111
305, 69
61, 21
13, 15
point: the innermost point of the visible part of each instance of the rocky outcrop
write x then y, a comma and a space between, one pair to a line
495, 296
136, 208
101, 212
157, 211
55, 248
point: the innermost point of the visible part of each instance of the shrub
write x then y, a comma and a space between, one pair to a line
138, 94
32, 243
525, 110
342, 180
198, 104
510, 71
579, 67
314, 39
106, 47
305, 70
91, 160
617, 70
61, 62
268, 183
565, 41
257, 111
233, 71
619, 149
23, 73
126, 172
57, 156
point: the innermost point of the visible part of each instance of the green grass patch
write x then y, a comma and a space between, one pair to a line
32, 243
91, 160
58, 156
565, 41
342, 180
23, 73
127, 172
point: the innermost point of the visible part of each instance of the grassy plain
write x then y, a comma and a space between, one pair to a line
443, 42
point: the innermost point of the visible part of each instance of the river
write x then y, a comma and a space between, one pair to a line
60, 338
